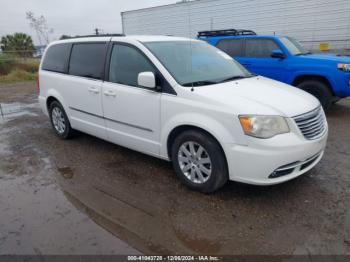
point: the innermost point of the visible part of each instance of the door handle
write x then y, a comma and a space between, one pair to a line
246, 64
110, 93
94, 90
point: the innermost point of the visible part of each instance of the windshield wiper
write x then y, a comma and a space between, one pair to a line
199, 83
232, 78
212, 82
305, 53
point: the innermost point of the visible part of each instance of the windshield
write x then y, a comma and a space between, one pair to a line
196, 63
294, 47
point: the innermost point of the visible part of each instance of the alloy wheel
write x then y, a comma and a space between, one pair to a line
58, 120
194, 162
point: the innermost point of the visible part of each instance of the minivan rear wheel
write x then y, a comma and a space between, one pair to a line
60, 121
199, 161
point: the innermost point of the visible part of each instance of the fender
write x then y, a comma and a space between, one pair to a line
209, 124
310, 73
53, 93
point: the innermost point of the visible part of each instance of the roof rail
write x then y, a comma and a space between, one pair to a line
100, 35
226, 32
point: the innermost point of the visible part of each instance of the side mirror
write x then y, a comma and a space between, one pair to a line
278, 54
146, 79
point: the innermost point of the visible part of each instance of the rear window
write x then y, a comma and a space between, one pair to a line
87, 60
56, 58
232, 47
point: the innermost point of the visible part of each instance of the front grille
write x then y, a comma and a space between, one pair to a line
312, 124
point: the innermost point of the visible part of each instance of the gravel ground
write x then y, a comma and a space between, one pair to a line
88, 196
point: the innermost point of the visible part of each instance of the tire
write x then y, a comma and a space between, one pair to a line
59, 121
188, 165
336, 100
319, 90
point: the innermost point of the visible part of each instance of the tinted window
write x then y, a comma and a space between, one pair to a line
260, 47
87, 60
232, 47
126, 64
56, 58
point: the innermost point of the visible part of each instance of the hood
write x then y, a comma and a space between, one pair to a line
260, 95
328, 57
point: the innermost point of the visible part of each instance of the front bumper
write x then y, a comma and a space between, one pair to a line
257, 162
341, 84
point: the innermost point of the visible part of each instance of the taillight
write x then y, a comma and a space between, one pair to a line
38, 85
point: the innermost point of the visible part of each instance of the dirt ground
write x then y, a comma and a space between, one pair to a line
87, 196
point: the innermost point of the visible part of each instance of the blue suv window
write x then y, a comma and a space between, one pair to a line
232, 47
260, 47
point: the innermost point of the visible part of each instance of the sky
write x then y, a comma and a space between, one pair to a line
69, 17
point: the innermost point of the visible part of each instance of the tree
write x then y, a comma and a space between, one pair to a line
19, 43
39, 24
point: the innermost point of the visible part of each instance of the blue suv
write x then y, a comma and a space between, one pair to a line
282, 58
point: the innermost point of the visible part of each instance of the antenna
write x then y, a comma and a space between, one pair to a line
190, 31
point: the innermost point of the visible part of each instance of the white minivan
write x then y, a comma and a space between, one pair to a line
183, 101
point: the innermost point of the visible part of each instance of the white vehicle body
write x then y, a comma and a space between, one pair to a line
144, 119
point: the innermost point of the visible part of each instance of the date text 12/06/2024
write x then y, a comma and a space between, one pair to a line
173, 258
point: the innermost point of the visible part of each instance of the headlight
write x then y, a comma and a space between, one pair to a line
344, 67
263, 126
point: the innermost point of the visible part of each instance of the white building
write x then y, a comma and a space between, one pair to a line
310, 21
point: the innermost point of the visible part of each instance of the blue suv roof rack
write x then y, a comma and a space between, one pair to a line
226, 32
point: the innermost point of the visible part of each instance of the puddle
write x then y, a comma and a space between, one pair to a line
8, 109
133, 219
36, 215
15, 110
3, 147
66, 172
37, 218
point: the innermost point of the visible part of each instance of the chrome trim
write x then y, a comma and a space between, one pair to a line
312, 124
296, 167
299, 163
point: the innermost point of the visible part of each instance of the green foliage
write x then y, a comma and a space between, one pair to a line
19, 43
28, 65
15, 69
7, 63
18, 75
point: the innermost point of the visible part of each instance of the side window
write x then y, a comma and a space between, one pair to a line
126, 64
56, 58
87, 60
260, 47
232, 47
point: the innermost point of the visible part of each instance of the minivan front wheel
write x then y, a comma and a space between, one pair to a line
60, 121
199, 161
195, 162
